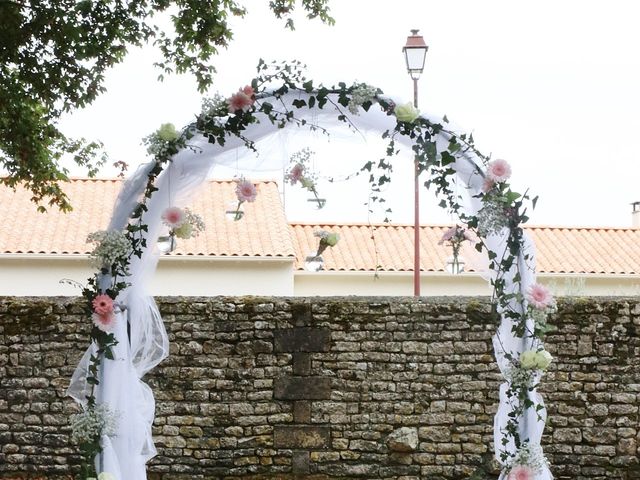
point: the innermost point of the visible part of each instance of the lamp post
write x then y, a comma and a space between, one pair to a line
415, 52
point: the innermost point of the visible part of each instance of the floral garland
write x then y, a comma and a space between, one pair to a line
502, 210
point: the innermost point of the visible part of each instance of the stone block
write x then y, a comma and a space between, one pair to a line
301, 339
301, 363
302, 411
302, 436
300, 463
403, 439
301, 314
302, 388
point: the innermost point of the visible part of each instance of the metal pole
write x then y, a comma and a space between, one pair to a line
416, 220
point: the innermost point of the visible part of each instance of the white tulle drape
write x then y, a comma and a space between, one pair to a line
126, 453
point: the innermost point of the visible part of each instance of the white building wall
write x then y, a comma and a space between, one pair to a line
387, 283
29, 275
40, 275
444, 284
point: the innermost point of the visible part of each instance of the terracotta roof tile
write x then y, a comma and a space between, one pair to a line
559, 249
262, 232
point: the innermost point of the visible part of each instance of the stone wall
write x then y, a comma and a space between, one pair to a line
264, 388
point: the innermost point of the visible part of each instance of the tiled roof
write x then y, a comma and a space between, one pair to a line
263, 232
559, 249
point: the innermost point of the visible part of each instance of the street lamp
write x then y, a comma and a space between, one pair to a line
415, 52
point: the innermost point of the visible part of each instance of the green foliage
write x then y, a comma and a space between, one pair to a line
54, 55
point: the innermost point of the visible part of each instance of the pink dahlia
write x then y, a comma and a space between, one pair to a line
241, 100
246, 191
295, 175
498, 170
173, 217
106, 322
539, 296
521, 472
102, 304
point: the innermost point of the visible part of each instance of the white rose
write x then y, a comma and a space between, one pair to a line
106, 476
406, 112
168, 132
184, 231
543, 359
529, 360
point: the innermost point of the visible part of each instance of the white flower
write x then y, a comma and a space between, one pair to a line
91, 424
528, 455
543, 359
529, 360
406, 112
167, 132
106, 476
359, 95
111, 246
520, 377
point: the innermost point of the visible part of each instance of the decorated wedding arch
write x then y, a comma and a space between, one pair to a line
128, 338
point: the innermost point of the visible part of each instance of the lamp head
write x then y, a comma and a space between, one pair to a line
415, 52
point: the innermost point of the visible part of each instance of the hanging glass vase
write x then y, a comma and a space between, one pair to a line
319, 203
167, 243
455, 264
313, 262
233, 212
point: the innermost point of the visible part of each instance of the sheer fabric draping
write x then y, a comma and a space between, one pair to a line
147, 345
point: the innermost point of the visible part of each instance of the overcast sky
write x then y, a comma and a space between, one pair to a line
553, 87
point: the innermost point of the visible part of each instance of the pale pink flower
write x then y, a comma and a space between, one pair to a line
106, 322
241, 100
448, 235
521, 472
487, 184
498, 170
470, 236
539, 296
173, 217
248, 91
295, 174
246, 191
102, 304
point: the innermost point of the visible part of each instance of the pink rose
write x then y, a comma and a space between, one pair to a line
106, 322
242, 100
246, 191
498, 170
539, 296
173, 217
248, 91
295, 175
102, 304
520, 473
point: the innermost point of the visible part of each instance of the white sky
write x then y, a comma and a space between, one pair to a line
553, 87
